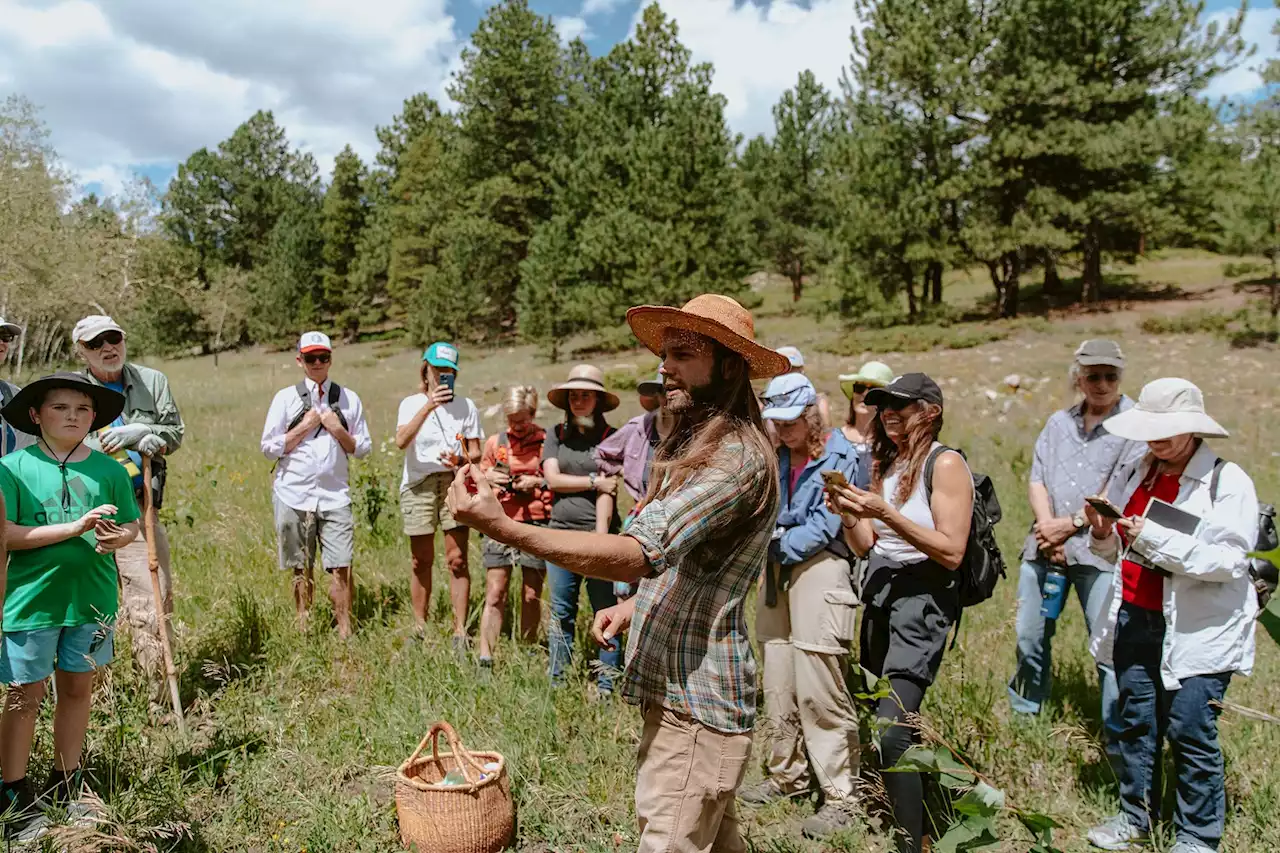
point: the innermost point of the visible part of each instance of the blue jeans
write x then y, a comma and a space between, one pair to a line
1148, 714
1033, 679
566, 586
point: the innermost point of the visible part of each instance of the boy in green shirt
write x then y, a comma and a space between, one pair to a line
68, 509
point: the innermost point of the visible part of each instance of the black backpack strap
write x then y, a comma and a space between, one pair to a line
305, 397
335, 393
1218, 465
928, 470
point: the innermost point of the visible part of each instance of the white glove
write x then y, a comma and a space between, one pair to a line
124, 436
151, 444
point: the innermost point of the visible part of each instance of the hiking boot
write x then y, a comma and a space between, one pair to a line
762, 793
1191, 846
23, 817
834, 816
1116, 833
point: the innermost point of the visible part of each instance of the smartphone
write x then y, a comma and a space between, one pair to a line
448, 380
834, 478
1105, 508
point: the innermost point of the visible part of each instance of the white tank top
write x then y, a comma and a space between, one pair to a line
889, 543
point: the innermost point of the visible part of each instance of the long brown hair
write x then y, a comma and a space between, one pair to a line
922, 430
731, 414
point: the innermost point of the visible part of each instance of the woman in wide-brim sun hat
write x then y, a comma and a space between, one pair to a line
859, 418
873, 374
584, 377
1181, 611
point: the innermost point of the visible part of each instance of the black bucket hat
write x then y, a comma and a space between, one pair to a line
908, 386
107, 404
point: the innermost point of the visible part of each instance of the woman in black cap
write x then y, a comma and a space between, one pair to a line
914, 522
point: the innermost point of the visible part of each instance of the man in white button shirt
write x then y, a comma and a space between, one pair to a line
311, 429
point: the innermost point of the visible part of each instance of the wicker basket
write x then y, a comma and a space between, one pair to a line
476, 817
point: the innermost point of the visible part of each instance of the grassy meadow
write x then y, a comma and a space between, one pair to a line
294, 737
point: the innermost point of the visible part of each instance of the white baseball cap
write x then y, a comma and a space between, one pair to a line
314, 342
10, 327
793, 355
92, 326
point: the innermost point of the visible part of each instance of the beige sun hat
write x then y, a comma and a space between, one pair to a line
714, 316
1165, 408
583, 377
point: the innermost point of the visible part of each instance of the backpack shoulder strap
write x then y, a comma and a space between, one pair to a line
335, 392
928, 470
503, 440
1218, 465
303, 394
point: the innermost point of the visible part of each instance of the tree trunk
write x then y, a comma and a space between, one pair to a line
1275, 287
1142, 243
1005, 278
1052, 279
909, 277
933, 280
1091, 278
797, 281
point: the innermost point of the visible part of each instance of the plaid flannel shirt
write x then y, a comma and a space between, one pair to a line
688, 649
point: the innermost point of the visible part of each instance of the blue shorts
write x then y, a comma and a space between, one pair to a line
28, 657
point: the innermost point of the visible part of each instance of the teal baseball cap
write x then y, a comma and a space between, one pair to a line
441, 354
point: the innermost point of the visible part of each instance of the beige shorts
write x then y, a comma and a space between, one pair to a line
422, 506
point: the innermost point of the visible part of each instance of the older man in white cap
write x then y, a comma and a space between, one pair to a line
311, 429
150, 425
10, 439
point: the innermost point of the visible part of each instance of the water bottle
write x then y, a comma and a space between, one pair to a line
1053, 594
455, 777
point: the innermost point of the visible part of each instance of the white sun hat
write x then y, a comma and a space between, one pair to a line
1166, 407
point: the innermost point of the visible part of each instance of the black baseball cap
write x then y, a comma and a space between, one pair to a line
908, 386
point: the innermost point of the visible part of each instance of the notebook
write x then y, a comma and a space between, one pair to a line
1168, 515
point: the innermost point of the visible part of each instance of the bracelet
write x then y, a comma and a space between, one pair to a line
848, 526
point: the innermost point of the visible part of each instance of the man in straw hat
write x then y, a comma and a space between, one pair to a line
68, 512
697, 545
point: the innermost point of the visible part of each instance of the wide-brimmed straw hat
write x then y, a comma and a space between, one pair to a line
107, 404
874, 374
714, 316
1166, 407
584, 377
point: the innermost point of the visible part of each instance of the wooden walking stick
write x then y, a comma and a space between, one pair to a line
153, 563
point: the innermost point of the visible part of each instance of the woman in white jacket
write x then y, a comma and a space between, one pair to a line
1180, 620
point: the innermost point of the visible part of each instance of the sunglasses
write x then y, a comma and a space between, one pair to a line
7, 337
112, 338
858, 388
316, 357
1111, 377
895, 404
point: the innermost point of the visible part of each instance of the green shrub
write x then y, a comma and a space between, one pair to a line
1215, 322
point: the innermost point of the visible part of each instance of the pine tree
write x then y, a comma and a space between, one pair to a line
343, 217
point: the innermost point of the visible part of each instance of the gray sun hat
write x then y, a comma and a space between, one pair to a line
1099, 351
1166, 408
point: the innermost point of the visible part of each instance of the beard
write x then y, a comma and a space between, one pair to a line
687, 400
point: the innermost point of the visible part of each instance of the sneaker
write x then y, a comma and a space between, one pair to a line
1191, 846
23, 818
1116, 833
761, 794
833, 817
486, 662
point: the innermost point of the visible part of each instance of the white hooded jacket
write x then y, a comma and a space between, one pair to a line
1209, 601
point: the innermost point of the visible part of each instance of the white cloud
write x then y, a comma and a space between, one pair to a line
571, 28
759, 51
140, 82
600, 7
1256, 31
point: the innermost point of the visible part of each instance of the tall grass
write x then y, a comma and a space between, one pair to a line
294, 735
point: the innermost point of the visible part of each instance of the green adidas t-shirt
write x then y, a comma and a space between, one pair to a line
68, 583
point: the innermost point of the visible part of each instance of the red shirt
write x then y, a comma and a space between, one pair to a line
1142, 586
794, 476
523, 456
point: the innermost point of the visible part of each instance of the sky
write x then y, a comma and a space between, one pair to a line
135, 86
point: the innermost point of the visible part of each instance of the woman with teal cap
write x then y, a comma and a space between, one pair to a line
857, 424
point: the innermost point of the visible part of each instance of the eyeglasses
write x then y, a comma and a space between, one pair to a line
858, 388
1095, 378
112, 338
316, 357
7, 337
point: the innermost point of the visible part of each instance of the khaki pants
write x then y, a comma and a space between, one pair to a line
687, 784
805, 641
138, 608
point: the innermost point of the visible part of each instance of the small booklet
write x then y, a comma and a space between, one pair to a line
1168, 515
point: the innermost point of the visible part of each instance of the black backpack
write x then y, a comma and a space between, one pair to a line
335, 391
983, 564
1264, 575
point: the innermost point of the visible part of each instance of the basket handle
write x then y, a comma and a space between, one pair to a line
460, 752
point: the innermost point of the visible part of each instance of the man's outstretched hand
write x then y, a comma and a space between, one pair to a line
611, 622
479, 510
